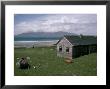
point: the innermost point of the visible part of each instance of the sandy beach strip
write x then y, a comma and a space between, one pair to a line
28, 44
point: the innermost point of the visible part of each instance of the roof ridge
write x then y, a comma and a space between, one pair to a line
84, 40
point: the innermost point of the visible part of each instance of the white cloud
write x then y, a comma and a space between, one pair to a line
79, 24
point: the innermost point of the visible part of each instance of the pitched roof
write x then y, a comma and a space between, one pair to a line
81, 40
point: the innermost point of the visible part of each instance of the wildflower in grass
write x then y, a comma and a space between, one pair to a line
17, 64
17, 58
51, 49
28, 58
34, 67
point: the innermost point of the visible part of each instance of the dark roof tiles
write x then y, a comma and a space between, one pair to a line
81, 40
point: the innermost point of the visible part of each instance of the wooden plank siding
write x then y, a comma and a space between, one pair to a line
81, 50
64, 43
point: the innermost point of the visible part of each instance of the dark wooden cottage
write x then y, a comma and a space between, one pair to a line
75, 46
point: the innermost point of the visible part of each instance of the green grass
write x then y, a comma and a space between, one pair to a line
48, 64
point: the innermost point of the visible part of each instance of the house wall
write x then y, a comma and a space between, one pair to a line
81, 50
64, 43
92, 48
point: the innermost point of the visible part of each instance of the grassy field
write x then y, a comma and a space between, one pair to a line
48, 64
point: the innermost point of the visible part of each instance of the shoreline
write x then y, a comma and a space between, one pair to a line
29, 44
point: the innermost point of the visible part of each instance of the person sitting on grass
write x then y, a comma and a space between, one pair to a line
24, 63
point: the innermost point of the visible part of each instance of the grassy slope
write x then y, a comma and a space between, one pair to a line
49, 64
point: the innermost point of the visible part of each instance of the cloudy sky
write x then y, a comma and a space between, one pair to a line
75, 23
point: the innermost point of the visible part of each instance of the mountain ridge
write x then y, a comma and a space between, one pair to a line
41, 35
44, 34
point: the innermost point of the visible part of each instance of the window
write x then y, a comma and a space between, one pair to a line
60, 48
67, 49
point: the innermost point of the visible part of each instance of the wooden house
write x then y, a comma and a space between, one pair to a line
75, 46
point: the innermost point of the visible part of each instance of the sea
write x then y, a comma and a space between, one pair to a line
30, 42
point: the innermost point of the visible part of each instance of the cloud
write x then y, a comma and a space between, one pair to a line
76, 23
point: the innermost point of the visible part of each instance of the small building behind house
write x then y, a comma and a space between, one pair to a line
75, 46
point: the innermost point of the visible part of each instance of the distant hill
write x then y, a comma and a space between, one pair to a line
41, 35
